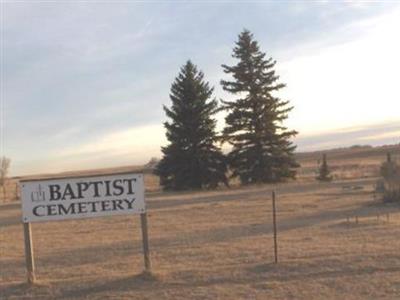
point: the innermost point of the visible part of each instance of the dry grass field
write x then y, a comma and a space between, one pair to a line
218, 245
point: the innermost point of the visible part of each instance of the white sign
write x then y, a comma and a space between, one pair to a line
82, 197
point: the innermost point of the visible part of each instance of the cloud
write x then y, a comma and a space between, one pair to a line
394, 135
132, 146
346, 83
79, 74
373, 134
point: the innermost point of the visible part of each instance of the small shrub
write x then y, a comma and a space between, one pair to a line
324, 172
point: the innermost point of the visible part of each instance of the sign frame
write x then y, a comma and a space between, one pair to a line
29, 253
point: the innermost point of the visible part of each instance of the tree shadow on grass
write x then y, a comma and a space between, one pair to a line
27, 291
292, 272
139, 282
254, 275
10, 221
189, 279
41, 290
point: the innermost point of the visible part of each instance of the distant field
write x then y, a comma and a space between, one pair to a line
346, 163
336, 241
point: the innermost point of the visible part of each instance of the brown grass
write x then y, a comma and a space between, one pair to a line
217, 245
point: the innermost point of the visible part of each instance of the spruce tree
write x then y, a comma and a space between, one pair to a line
261, 147
191, 160
324, 172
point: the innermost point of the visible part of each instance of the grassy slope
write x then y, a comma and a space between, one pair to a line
210, 245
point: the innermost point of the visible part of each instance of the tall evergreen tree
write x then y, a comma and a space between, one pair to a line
191, 160
261, 146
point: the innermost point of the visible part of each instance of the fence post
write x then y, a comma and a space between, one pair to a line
274, 225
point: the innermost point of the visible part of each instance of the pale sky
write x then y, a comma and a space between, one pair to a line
83, 82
